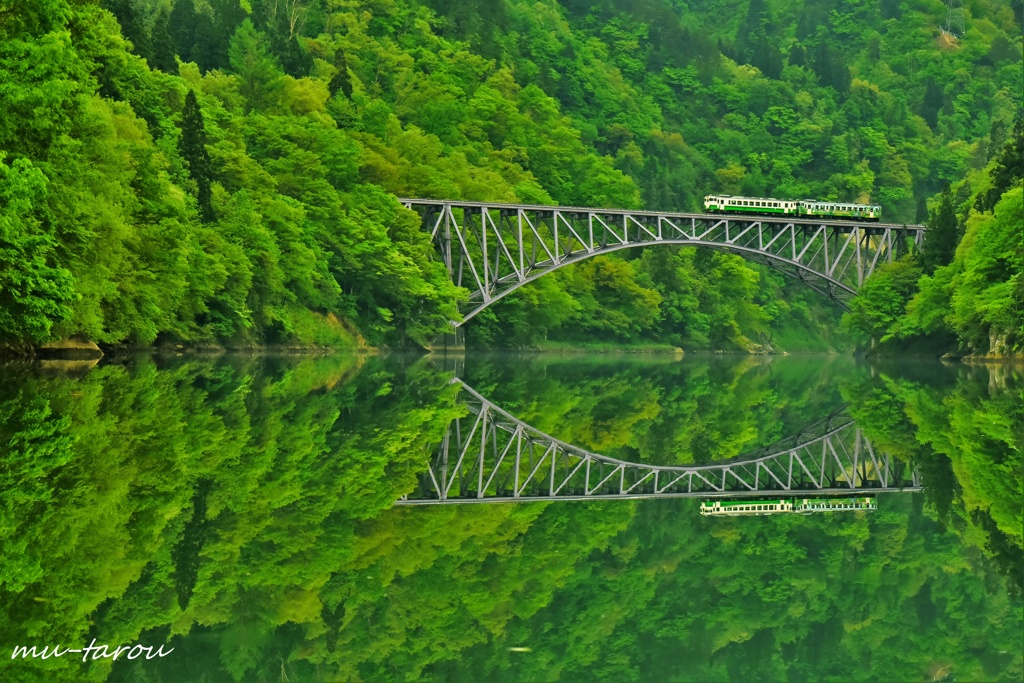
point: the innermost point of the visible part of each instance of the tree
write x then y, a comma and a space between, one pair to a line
883, 299
767, 57
1009, 168
192, 147
797, 56
341, 80
258, 70
132, 26
830, 65
932, 102
33, 291
942, 235
183, 28
163, 44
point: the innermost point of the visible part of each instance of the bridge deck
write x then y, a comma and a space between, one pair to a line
544, 208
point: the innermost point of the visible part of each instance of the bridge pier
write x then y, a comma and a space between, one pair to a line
453, 341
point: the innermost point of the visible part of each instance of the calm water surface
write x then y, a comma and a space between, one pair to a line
242, 511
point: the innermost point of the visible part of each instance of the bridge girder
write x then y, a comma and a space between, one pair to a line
493, 249
491, 456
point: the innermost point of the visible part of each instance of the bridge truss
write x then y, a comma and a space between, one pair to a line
491, 456
493, 249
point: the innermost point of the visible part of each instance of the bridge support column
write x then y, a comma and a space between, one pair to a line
451, 341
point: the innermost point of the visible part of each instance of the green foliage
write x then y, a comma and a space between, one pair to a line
986, 297
1009, 168
975, 301
965, 437
261, 79
34, 292
192, 147
943, 234
315, 111
883, 298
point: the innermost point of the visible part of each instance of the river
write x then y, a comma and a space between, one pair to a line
287, 519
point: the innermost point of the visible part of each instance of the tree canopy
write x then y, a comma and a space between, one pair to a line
315, 114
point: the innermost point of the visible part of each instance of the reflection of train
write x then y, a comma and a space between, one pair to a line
810, 208
739, 507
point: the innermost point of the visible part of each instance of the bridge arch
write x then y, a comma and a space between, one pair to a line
494, 249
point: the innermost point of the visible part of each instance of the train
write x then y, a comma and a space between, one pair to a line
742, 507
804, 208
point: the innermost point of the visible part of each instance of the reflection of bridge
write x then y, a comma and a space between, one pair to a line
491, 456
493, 249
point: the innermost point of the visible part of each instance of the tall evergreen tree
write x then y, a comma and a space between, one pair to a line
132, 26
752, 30
767, 58
259, 71
341, 80
942, 236
183, 28
163, 44
932, 103
892, 9
797, 56
1009, 168
192, 147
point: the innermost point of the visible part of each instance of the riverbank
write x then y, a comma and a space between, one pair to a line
79, 350
605, 347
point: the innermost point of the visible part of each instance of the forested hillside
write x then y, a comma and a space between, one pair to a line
965, 291
225, 171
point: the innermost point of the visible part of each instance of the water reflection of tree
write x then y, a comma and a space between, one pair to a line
967, 439
666, 412
303, 568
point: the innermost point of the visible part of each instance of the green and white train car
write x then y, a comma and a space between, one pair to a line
744, 507
762, 206
810, 208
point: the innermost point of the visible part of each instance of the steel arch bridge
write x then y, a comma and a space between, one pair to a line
491, 456
493, 249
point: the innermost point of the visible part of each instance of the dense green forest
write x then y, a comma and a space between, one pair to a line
224, 172
965, 290
241, 510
